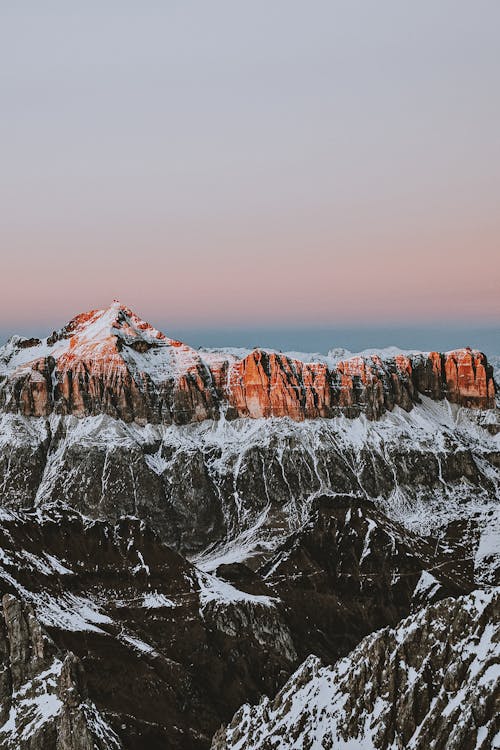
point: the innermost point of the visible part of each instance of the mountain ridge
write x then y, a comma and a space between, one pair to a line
192, 524
111, 361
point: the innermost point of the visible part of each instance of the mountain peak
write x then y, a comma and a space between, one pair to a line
114, 322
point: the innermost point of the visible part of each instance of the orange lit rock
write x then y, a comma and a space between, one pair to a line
467, 380
112, 362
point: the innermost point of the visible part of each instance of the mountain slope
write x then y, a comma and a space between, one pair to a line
110, 361
318, 499
225, 490
432, 681
351, 570
169, 651
43, 694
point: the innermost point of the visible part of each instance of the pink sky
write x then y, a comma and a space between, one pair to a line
228, 166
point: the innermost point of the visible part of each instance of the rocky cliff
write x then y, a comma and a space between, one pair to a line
350, 570
112, 362
432, 681
318, 499
170, 652
44, 700
243, 484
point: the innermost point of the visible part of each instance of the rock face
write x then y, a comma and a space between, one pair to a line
350, 570
112, 362
318, 501
432, 681
169, 651
43, 695
249, 482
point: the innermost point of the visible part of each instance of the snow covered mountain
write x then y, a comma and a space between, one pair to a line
192, 524
112, 362
157, 636
43, 693
432, 681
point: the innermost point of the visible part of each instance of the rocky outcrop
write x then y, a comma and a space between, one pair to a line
120, 448
110, 361
44, 704
169, 651
432, 681
469, 379
350, 570
212, 483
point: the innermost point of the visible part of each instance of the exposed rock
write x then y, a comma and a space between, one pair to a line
210, 484
110, 361
293, 467
432, 681
169, 651
351, 570
43, 698
469, 379
28, 343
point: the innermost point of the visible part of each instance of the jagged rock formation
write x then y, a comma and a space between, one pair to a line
350, 570
332, 497
433, 681
249, 482
212, 480
111, 362
169, 651
44, 703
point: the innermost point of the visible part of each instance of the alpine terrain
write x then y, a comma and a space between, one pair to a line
242, 549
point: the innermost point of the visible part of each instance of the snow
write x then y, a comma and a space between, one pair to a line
427, 585
141, 565
340, 706
235, 549
214, 589
45, 708
69, 612
366, 545
433, 427
429, 426
486, 558
93, 337
100, 728
154, 600
136, 643
105, 339
57, 565
34, 704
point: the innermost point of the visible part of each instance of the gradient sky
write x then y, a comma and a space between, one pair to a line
251, 164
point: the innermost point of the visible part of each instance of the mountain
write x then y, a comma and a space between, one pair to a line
112, 393
168, 650
350, 570
43, 693
188, 526
432, 681
112, 362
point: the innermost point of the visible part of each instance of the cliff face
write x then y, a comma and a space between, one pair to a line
432, 681
352, 568
44, 701
169, 651
112, 362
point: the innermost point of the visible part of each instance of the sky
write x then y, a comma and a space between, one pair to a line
252, 166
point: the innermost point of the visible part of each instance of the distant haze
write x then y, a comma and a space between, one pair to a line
424, 338
255, 166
